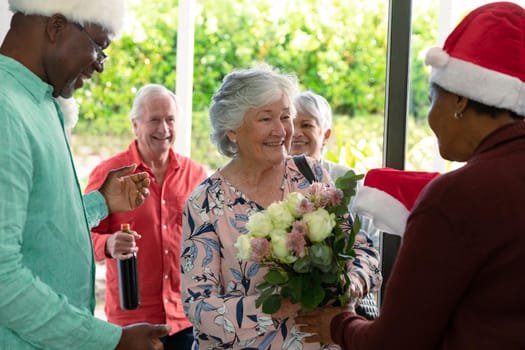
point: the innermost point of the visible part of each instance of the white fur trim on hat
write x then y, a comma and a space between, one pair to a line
386, 212
107, 13
480, 84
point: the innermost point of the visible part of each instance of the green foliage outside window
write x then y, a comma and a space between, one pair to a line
337, 48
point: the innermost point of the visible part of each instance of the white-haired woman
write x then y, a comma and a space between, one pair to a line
252, 118
312, 129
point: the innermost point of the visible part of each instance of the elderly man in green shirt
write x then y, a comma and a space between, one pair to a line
46, 258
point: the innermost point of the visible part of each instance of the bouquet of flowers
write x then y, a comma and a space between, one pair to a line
306, 242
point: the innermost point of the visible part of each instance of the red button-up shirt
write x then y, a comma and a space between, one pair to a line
159, 222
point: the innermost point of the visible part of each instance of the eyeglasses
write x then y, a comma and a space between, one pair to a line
101, 56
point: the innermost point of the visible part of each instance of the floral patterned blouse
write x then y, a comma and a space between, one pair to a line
218, 290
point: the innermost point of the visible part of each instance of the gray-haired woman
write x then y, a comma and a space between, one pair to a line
252, 118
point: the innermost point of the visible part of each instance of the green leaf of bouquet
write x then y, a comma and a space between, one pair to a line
295, 287
264, 294
339, 244
351, 238
259, 301
272, 304
347, 184
285, 292
329, 276
347, 280
312, 297
348, 181
276, 277
344, 296
303, 265
262, 285
321, 256
342, 209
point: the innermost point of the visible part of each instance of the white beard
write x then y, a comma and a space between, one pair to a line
70, 110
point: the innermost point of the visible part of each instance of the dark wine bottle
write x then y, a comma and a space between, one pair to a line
128, 279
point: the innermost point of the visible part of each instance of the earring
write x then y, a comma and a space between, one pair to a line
458, 115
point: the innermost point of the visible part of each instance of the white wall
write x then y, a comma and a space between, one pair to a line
5, 18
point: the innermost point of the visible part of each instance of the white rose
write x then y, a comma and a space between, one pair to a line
320, 224
280, 246
280, 215
259, 224
293, 201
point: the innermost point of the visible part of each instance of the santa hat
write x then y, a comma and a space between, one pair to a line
109, 14
483, 58
388, 195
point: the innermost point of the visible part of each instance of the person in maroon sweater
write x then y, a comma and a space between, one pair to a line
459, 277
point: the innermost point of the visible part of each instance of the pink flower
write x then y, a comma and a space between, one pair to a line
299, 227
305, 206
323, 196
316, 191
260, 249
334, 196
296, 242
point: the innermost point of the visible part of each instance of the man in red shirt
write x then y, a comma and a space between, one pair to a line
157, 225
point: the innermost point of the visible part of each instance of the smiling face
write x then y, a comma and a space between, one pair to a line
308, 137
75, 54
155, 127
265, 134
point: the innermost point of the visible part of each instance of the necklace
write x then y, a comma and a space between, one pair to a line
283, 183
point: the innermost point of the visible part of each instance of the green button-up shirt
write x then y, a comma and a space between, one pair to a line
46, 259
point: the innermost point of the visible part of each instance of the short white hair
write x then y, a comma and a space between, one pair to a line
242, 90
316, 106
147, 91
